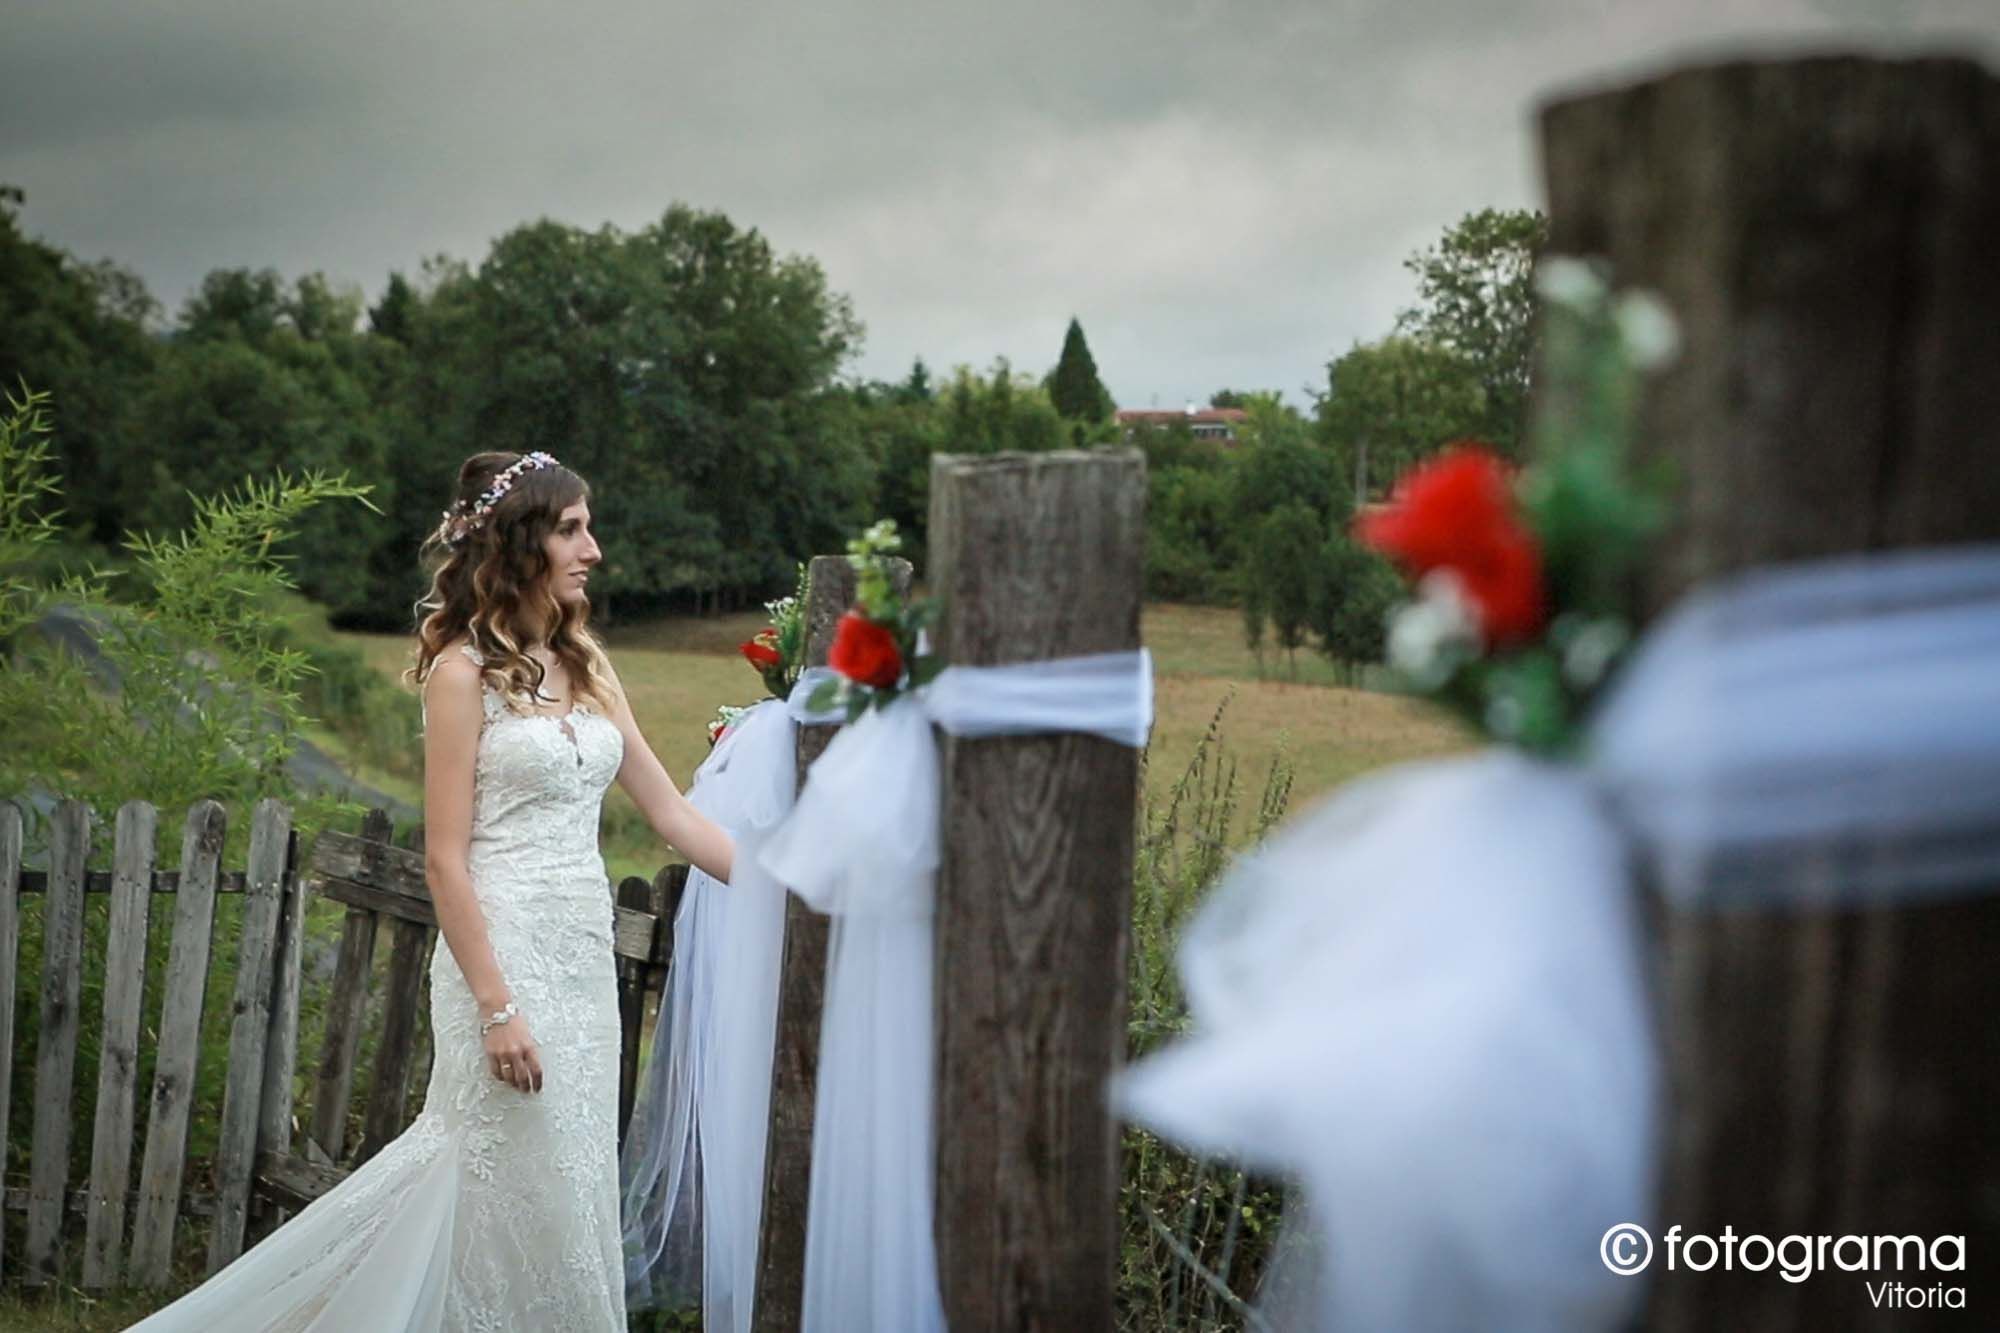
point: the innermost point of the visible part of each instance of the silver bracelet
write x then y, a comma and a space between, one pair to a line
499, 1018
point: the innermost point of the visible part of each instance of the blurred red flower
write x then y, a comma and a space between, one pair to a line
1457, 512
865, 652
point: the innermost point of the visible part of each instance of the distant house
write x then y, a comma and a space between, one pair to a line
1219, 424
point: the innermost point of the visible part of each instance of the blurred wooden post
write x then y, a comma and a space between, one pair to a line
1036, 557
1825, 229
781, 1248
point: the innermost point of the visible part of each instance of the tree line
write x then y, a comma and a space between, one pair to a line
698, 377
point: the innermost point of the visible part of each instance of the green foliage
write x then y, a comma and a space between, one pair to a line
1391, 403
1474, 299
1187, 526
1073, 386
1356, 589
194, 691
1285, 568
82, 332
1195, 1235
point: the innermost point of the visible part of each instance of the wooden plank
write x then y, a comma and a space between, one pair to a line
294, 1180
637, 894
249, 1030
390, 881
55, 1045
104, 881
11, 831
781, 1251
1035, 557
346, 1007
422, 1051
136, 851
172, 1102
1823, 229
389, 1093
77, 1203
274, 1129
365, 873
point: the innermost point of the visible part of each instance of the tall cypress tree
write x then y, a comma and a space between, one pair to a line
1074, 387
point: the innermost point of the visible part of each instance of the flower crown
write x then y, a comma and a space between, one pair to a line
463, 518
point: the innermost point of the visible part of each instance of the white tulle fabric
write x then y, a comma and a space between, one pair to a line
1425, 1000
692, 1174
496, 1210
1821, 736
863, 845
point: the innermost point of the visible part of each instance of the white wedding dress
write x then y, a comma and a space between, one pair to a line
496, 1210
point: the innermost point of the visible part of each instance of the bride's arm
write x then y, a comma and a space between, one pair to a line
453, 714
687, 830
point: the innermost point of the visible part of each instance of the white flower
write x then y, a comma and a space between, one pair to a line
1648, 329
1430, 637
1590, 652
1570, 282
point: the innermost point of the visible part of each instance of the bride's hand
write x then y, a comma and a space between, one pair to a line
512, 1056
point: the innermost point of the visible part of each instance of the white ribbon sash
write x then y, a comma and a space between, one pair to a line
862, 844
1425, 999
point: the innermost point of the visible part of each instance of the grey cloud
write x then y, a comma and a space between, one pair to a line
1222, 190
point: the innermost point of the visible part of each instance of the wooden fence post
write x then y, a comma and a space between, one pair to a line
781, 1249
346, 1014
55, 1045
250, 1029
10, 949
1824, 229
135, 859
281, 1056
179, 1045
1036, 557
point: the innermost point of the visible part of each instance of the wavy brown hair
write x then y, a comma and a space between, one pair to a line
491, 588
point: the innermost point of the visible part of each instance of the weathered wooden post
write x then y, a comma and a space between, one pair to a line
1826, 231
257, 984
10, 946
660, 898
781, 1249
161, 1171
135, 859
1036, 557
346, 1012
55, 1045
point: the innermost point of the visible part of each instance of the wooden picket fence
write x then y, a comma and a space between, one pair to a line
129, 1230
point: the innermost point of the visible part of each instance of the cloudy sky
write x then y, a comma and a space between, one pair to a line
1222, 190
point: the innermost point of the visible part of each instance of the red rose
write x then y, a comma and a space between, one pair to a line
864, 652
760, 653
1457, 512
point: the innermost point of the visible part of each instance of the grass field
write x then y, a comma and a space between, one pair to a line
678, 670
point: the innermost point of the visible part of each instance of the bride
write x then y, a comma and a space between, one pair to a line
498, 1208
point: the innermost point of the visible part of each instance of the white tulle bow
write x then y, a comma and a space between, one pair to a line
1425, 1001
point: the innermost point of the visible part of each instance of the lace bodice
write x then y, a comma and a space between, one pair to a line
538, 787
